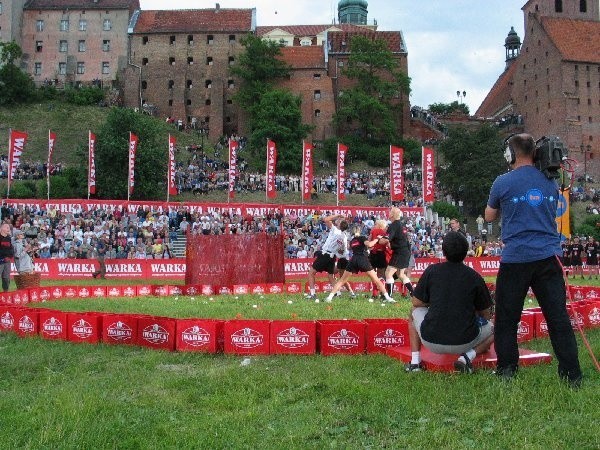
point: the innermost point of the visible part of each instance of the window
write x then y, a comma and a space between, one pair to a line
208, 84
82, 25
144, 84
558, 6
144, 61
209, 61
317, 95
340, 63
171, 84
190, 39
229, 101
0, 7
81, 46
37, 69
105, 67
171, 40
317, 113
39, 25
588, 84
576, 83
171, 102
172, 61
230, 84
64, 25
188, 83
316, 76
582, 6
62, 68
231, 38
39, 45
80, 68
228, 119
144, 40
207, 102
305, 42
107, 25
105, 45
190, 60
188, 101
231, 60
209, 39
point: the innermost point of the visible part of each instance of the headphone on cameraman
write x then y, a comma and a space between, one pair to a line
509, 151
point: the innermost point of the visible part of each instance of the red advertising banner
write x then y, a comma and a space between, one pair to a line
91, 163
428, 175
171, 176
16, 145
271, 166
341, 171
51, 141
233, 148
133, 141
307, 169
396, 178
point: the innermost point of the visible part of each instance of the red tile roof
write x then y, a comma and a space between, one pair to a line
339, 41
194, 20
82, 4
500, 94
306, 30
308, 57
576, 40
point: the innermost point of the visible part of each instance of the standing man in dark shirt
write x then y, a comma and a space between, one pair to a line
6, 252
396, 236
451, 309
101, 249
591, 256
577, 251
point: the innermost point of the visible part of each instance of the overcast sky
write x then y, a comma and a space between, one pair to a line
453, 45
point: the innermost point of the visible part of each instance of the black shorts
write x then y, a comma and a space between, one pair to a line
378, 260
324, 263
576, 262
342, 263
359, 264
399, 259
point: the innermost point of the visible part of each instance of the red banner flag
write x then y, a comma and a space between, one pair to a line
233, 149
133, 141
396, 178
91, 163
271, 166
428, 175
341, 171
51, 142
307, 169
16, 145
172, 186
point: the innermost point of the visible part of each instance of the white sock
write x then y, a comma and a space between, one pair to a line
415, 357
471, 354
312, 291
330, 297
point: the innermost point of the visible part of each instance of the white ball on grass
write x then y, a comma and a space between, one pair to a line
316, 300
255, 306
290, 302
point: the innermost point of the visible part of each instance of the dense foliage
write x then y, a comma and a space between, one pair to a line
444, 109
15, 85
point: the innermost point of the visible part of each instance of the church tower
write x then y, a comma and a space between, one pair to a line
512, 44
353, 11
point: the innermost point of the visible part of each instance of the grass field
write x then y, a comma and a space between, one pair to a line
64, 395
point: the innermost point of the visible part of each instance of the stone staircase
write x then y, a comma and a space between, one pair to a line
178, 246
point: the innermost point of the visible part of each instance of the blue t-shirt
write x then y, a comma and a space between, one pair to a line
528, 201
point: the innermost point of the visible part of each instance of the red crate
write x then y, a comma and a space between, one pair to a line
70, 292
156, 332
293, 287
246, 337
199, 335
259, 288
576, 315
207, 289
57, 292
53, 324
99, 291
114, 291
84, 327
84, 292
223, 290
160, 290
526, 327
26, 321
192, 289
361, 286
7, 317
274, 288
45, 294
293, 337
34, 295
384, 333
240, 289
175, 290
17, 297
345, 337
591, 310
119, 329
129, 291
144, 290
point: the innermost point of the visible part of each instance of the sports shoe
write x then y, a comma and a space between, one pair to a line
388, 300
310, 296
414, 367
463, 367
505, 373
353, 295
328, 300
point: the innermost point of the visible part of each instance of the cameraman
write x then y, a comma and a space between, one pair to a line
527, 201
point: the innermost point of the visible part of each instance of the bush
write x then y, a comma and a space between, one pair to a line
84, 96
447, 210
22, 189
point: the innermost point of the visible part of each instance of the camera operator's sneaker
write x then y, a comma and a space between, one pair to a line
414, 367
463, 364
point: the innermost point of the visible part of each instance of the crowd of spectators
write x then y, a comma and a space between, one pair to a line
29, 170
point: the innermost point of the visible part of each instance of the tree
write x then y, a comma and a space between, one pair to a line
473, 160
370, 102
444, 109
112, 156
272, 113
15, 85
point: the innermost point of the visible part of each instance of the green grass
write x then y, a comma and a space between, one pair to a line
63, 395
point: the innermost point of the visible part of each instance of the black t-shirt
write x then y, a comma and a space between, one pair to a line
358, 247
397, 236
576, 251
453, 292
591, 250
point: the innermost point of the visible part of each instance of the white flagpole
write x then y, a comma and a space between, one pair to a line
9, 178
48, 166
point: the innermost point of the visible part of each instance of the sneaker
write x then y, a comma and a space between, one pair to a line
388, 300
353, 295
465, 366
338, 293
327, 300
505, 373
310, 296
414, 367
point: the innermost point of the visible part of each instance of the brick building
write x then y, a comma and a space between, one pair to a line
11, 17
75, 42
553, 83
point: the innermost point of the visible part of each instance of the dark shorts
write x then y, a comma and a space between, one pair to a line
359, 264
378, 260
342, 263
324, 263
400, 259
576, 262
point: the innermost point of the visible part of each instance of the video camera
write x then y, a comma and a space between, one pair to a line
550, 152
